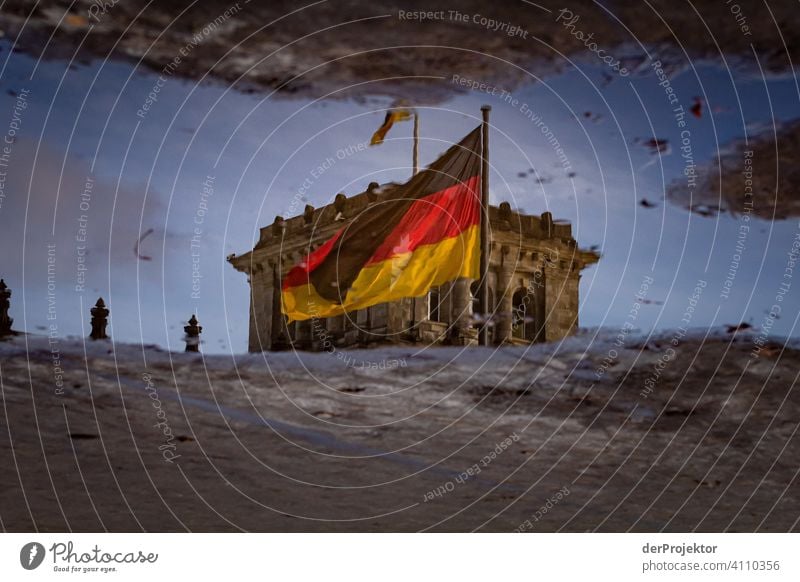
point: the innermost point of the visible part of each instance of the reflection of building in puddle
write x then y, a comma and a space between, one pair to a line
534, 274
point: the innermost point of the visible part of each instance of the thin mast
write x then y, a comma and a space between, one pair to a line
416, 143
483, 290
415, 156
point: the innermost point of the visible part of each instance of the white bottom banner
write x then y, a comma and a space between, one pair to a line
400, 557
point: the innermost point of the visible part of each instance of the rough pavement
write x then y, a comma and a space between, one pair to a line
553, 438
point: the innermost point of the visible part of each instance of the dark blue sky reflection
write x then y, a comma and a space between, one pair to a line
82, 150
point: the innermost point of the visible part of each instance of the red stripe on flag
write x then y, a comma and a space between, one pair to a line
298, 275
435, 217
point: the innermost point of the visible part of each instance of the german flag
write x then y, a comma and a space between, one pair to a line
392, 115
424, 233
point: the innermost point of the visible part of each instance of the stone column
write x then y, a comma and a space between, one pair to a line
278, 332
252, 333
192, 337
304, 335
539, 285
260, 308
304, 329
462, 308
99, 320
502, 330
397, 319
559, 322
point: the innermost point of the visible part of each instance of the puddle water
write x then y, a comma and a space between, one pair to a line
108, 192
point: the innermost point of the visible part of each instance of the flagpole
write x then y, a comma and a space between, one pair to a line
416, 143
483, 291
415, 157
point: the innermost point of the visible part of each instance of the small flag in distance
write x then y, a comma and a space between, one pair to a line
394, 114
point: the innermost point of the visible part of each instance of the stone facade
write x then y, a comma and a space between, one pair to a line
534, 274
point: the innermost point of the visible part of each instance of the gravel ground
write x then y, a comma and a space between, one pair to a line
580, 436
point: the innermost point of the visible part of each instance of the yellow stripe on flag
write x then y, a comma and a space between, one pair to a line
407, 275
391, 117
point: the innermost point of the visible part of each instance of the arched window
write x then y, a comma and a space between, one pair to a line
434, 305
